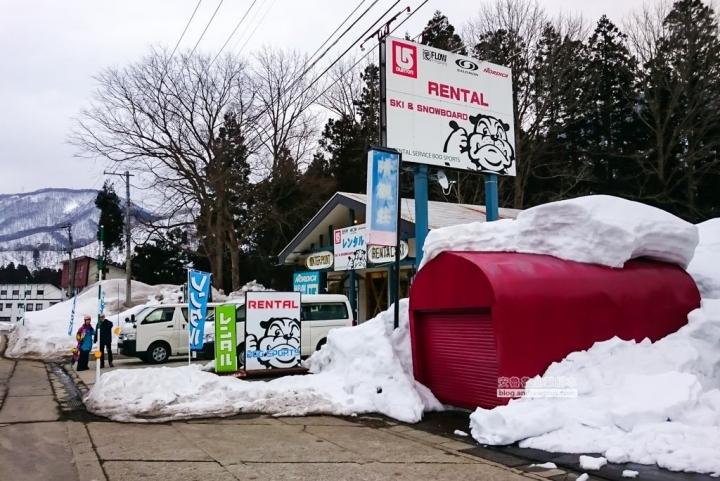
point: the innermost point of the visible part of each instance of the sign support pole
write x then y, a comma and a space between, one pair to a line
491, 198
421, 210
396, 271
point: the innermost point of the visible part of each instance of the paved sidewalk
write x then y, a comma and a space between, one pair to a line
46, 435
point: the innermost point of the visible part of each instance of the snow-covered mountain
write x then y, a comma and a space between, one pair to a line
34, 221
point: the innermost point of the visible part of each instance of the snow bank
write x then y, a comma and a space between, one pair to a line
596, 229
362, 369
45, 333
705, 266
637, 402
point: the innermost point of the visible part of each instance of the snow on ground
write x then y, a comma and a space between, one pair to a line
705, 266
637, 402
361, 369
45, 333
596, 229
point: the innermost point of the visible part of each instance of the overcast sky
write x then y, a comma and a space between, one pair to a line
49, 49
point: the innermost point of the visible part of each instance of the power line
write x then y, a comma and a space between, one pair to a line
251, 21
256, 26
233, 32
186, 27
206, 27
317, 79
311, 66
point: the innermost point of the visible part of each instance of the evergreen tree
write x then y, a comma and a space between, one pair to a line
680, 109
608, 133
163, 260
440, 33
111, 218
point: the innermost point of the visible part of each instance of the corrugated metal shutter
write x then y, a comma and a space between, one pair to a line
459, 357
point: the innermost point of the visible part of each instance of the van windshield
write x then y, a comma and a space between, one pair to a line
139, 316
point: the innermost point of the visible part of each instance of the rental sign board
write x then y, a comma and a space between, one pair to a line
449, 110
225, 339
272, 330
198, 294
350, 248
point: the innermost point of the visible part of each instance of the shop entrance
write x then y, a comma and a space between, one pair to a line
376, 292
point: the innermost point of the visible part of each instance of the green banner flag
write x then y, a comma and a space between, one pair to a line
225, 339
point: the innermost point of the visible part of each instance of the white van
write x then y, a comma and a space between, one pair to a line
158, 332
161, 331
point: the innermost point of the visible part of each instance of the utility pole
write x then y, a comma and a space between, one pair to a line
128, 257
71, 262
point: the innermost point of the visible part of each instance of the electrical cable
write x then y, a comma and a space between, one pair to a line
206, 28
186, 28
260, 7
256, 27
233, 32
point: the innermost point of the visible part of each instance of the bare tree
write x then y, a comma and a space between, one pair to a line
286, 95
679, 53
514, 33
343, 86
160, 117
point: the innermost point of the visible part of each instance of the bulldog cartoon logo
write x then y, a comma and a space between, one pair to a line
279, 346
486, 144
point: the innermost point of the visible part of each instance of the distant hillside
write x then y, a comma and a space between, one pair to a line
31, 231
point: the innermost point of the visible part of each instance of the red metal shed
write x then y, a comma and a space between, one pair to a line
479, 316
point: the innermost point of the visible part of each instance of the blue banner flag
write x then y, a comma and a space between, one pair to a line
383, 197
198, 294
72, 316
102, 302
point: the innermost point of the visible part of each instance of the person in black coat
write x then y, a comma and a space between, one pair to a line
105, 327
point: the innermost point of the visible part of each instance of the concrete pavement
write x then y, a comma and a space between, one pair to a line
46, 435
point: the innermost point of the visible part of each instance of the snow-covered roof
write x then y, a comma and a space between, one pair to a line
442, 214
335, 214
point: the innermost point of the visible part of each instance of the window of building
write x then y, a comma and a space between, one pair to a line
8, 305
5, 319
16, 292
19, 319
28, 293
3, 292
1, 307
38, 307
52, 304
40, 292
30, 307
21, 305
324, 312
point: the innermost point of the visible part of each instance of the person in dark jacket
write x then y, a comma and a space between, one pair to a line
104, 328
85, 341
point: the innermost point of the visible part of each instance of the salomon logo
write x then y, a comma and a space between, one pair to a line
466, 64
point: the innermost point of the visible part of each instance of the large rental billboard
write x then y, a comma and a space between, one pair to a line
449, 110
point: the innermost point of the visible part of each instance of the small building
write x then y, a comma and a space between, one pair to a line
481, 322
86, 272
330, 255
16, 299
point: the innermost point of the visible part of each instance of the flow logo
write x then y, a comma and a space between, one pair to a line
404, 59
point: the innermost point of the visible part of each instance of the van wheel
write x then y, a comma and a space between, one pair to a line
322, 342
158, 353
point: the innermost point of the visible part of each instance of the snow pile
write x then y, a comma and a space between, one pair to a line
637, 402
592, 464
705, 266
596, 229
362, 369
45, 333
